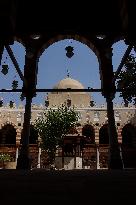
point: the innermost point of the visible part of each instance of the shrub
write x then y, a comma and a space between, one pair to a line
5, 157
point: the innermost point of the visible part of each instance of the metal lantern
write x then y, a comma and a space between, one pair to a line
4, 69
14, 84
69, 52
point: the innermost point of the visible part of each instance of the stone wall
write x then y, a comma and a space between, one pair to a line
95, 116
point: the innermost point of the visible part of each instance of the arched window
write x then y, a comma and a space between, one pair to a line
19, 117
39, 115
96, 116
117, 116
106, 117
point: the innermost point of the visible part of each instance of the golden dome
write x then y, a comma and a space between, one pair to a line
68, 83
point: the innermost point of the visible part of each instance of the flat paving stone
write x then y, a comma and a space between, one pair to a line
68, 187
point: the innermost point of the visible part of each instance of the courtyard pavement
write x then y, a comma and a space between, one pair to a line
40, 186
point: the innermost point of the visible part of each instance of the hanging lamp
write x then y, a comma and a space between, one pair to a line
14, 84
5, 67
69, 52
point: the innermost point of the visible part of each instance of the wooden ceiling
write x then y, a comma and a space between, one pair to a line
21, 18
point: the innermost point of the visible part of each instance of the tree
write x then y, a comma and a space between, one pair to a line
53, 126
127, 80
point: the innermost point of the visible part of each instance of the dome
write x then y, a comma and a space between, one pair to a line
69, 83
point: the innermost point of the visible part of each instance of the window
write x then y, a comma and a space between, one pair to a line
79, 116
96, 116
39, 115
117, 116
19, 117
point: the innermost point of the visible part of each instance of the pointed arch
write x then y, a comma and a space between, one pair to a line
88, 133
9, 123
8, 134
129, 135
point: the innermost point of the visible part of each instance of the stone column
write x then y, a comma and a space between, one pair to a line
16, 154
24, 161
115, 161
96, 135
63, 161
29, 91
39, 158
98, 158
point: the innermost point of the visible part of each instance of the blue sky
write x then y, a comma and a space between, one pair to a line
53, 65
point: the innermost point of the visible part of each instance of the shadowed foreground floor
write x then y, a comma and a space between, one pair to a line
67, 187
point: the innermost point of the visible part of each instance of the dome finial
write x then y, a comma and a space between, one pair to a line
68, 73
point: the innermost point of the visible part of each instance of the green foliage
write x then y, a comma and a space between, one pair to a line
5, 157
127, 80
54, 125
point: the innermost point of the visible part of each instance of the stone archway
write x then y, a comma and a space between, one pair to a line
129, 146
103, 52
129, 135
85, 39
88, 134
8, 134
104, 135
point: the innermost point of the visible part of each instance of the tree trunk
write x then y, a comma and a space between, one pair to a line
63, 157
